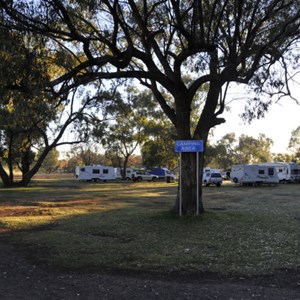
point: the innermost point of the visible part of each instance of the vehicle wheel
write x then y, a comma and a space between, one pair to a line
235, 180
154, 179
218, 184
139, 179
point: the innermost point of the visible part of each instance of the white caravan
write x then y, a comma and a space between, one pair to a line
293, 172
287, 172
281, 168
95, 173
253, 174
128, 176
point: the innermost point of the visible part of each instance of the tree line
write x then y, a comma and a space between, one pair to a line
229, 150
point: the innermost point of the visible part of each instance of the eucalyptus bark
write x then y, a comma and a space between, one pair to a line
189, 189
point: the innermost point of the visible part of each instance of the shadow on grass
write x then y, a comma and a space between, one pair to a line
130, 227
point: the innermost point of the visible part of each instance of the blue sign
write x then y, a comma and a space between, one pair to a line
189, 146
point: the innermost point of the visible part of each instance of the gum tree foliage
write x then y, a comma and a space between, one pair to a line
157, 42
125, 132
158, 149
32, 115
294, 144
282, 157
86, 154
25, 106
51, 162
254, 150
245, 149
139, 121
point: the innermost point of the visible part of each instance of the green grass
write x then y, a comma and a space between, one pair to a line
79, 225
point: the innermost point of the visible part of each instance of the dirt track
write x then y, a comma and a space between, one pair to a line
21, 279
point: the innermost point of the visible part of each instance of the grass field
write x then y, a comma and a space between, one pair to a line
64, 223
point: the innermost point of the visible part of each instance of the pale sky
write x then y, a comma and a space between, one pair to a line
277, 125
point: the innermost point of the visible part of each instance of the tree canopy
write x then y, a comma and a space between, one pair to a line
26, 107
32, 115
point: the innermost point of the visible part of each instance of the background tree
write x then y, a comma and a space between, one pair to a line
32, 114
25, 106
72, 164
86, 155
232, 150
51, 162
127, 131
135, 161
282, 157
251, 151
63, 165
216, 42
294, 144
222, 155
158, 149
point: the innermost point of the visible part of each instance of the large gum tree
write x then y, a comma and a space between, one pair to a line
159, 43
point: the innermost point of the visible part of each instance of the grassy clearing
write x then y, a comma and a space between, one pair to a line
83, 225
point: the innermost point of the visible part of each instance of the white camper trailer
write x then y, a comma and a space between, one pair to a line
95, 173
128, 175
281, 170
253, 174
293, 172
287, 172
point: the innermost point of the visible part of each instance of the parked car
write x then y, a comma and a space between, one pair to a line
164, 173
212, 177
143, 175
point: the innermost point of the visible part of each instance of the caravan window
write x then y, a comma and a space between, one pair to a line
96, 171
82, 169
261, 172
105, 171
271, 171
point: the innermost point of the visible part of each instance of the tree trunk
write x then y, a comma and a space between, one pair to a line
4, 177
187, 188
187, 202
125, 163
26, 177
